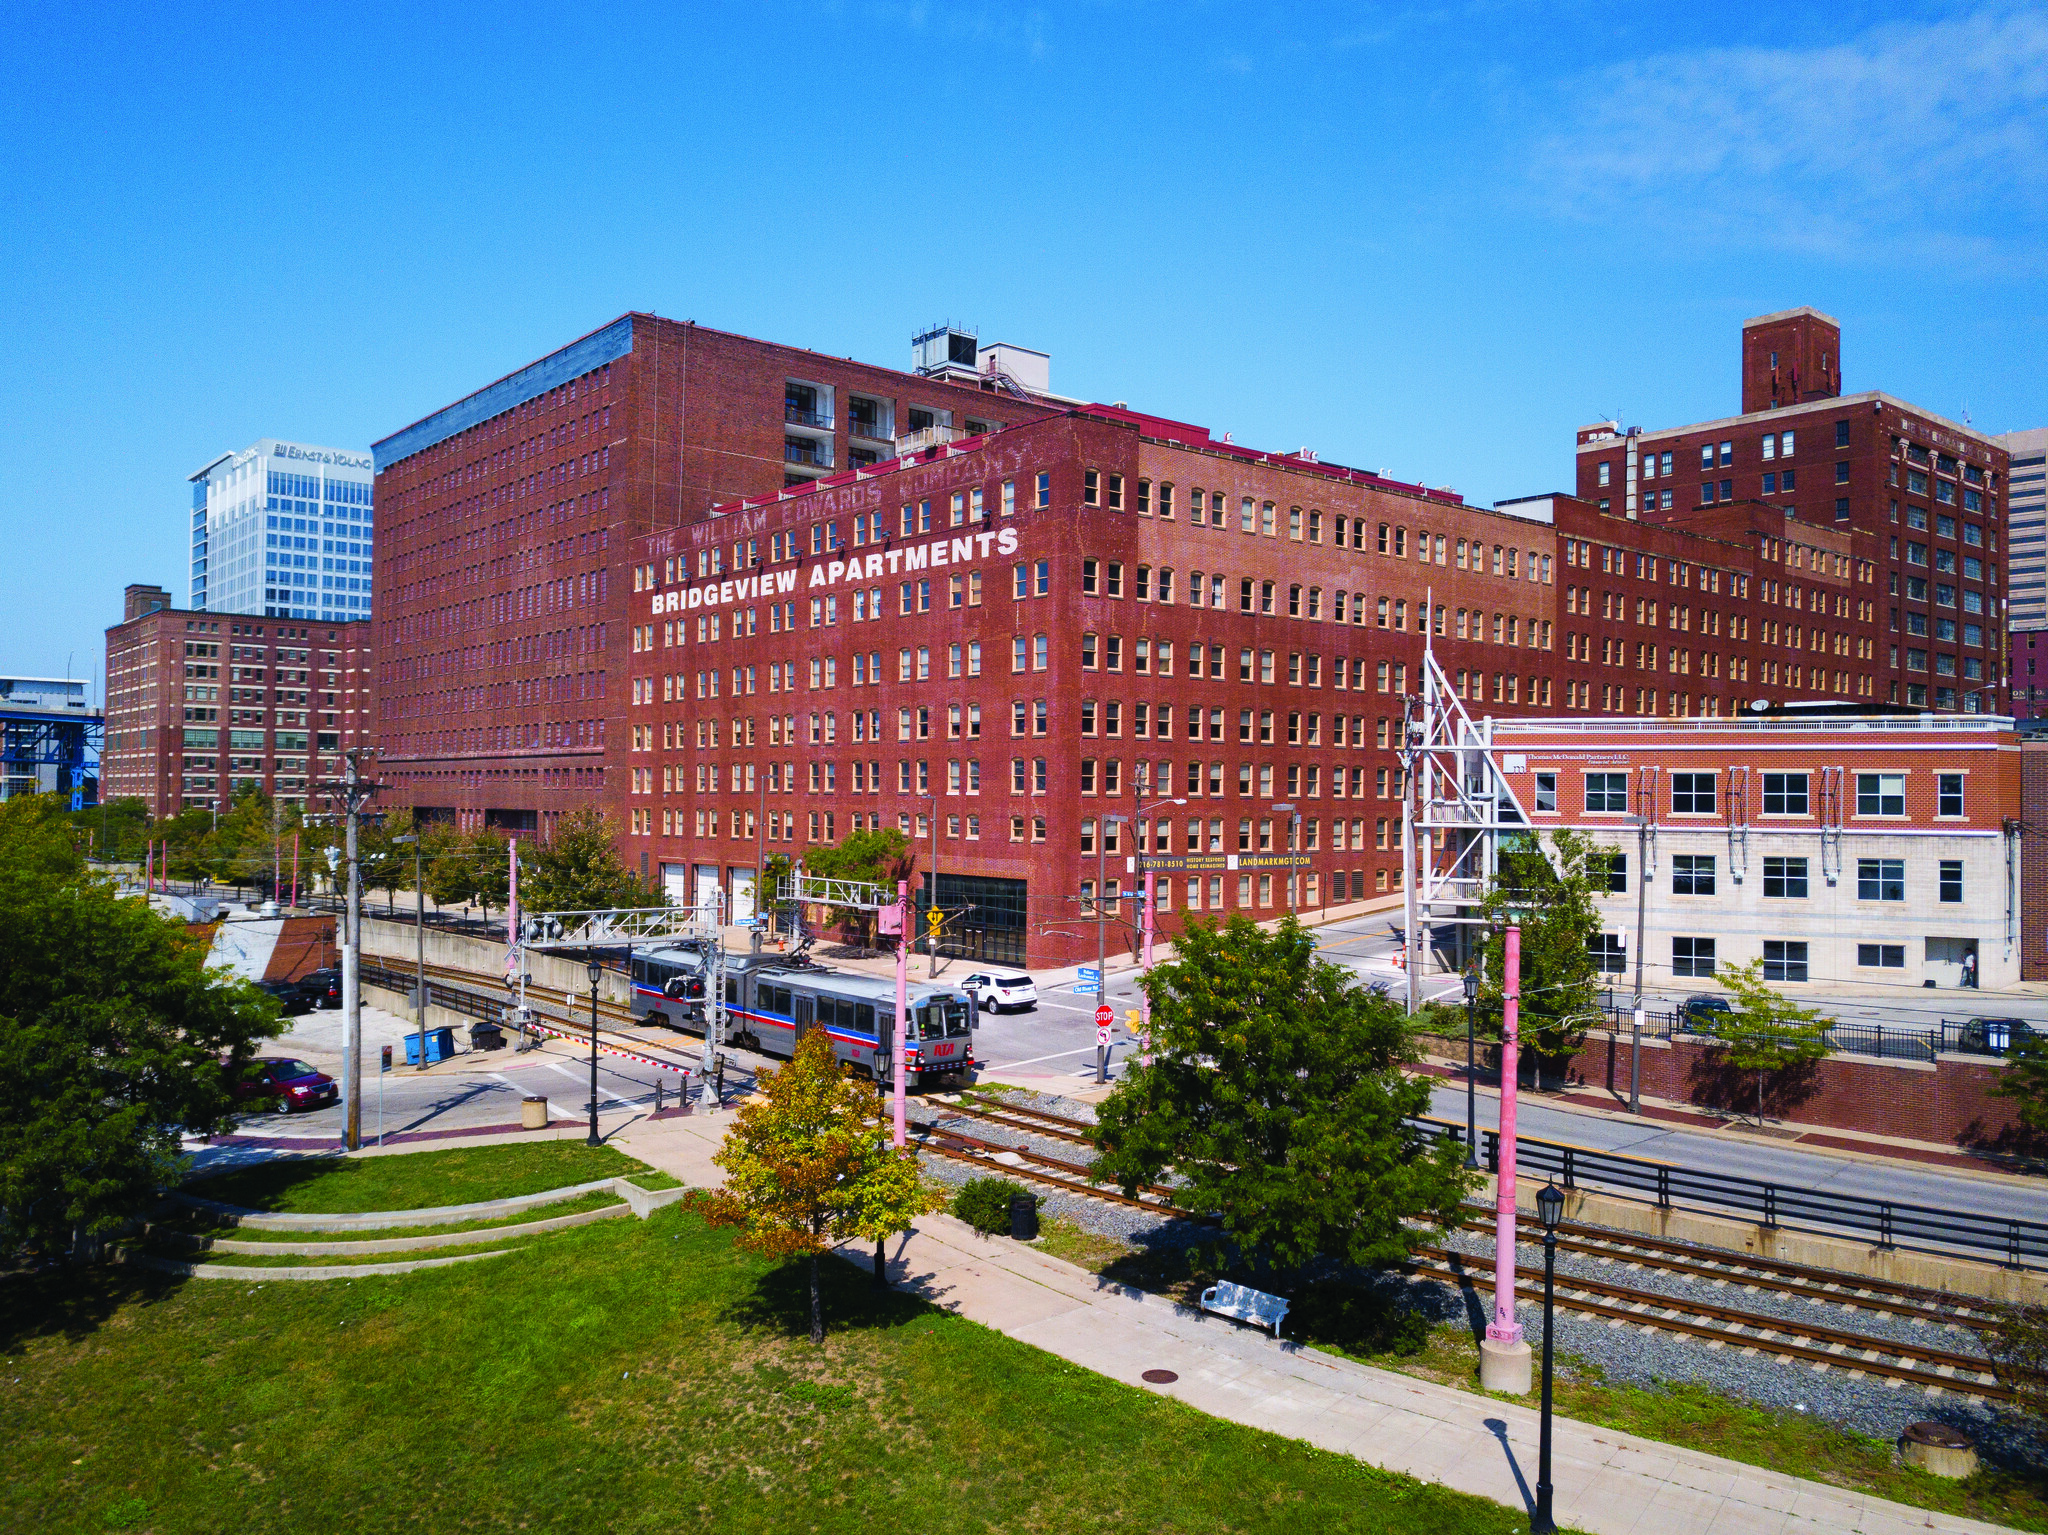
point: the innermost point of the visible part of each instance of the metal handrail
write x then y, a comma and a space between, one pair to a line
803, 417
2001, 1239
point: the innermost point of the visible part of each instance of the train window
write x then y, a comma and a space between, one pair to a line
732, 991
956, 1018
864, 1017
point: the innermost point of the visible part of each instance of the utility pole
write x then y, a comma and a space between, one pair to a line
419, 995
1411, 936
354, 792
931, 937
714, 1003
902, 1062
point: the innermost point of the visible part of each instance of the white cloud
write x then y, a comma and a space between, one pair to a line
1931, 137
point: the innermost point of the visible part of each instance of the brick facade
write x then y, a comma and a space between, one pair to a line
201, 704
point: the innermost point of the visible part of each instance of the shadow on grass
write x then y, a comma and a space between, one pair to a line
779, 1301
74, 1301
262, 1185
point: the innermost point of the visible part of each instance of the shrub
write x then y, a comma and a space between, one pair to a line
984, 1203
1358, 1320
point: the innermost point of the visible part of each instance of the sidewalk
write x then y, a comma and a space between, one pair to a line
1608, 1483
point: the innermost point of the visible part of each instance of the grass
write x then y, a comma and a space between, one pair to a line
649, 1378
337, 1260
203, 1224
417, 1180
1674, 1412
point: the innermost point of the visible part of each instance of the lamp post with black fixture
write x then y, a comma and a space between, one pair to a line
1550, 1206
1471, 1072
595, 970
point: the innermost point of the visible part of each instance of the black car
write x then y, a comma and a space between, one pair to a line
289, 999
1994, 1036
1702, 1013
321, 988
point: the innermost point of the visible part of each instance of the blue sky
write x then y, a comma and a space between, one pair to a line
1429, 239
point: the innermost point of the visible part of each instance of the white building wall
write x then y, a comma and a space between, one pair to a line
286, 530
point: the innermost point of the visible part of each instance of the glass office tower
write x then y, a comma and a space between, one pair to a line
284, 530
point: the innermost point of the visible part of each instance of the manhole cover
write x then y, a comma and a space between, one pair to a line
1161, 1377
1939, 1435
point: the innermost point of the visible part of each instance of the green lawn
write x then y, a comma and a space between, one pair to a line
421, 1179
204, 1224
625, 1376
1676, 1413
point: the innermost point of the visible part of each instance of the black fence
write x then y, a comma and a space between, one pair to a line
1887, 1041
1883, 1223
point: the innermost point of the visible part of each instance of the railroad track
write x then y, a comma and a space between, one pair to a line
1069, 1176
1025, 1121
1746, 1271
1856, 1353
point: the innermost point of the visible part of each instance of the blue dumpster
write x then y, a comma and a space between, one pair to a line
440, 1045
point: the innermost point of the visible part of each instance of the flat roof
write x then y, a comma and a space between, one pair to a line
1805, 407
1792, 314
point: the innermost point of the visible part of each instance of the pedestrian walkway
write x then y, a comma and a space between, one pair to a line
1607, 1483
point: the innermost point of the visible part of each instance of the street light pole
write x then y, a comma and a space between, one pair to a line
1549, 1205
419, 995
931, 932
1471, 1073
595, 970
1635, 1052
1503, 1355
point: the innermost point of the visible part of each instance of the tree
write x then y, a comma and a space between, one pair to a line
1766, 1032
114, 1039
579, 869
1558, 917
879, 857
2025, 1079
2017, 1343
1276, 1095
808, 1163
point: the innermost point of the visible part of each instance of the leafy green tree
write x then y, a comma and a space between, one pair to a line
1276, 1095
114, 1038
879, 857
2025, 1080
1767, 1033
579, 869
808, 1163
468, 867
1554, 906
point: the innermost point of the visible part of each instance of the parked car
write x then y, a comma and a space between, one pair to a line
288, 996
322, 988
1994, 1035
1001, 993
284, 1084
1702, 1013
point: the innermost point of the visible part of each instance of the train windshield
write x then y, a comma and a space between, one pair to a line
956, 1018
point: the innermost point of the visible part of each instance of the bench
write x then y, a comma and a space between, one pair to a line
1245, 1304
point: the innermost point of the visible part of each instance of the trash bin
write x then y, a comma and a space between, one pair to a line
1024, 1217
440, 1046
485, 1035
533, 1113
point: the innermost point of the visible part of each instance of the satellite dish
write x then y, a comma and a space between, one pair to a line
1760, 704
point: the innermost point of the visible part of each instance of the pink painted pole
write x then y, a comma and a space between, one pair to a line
1503, 1328
148, 864
902, 1004
1145, 997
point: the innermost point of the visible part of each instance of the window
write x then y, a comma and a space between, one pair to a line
1609, 953
1692, 956
1887, 956
1951, 879
1606, 792
1546, 792
1880, 793
1692, 874
1880, 879
1615, 866
1692, 793
1785, 879
1784, 961
1949, 794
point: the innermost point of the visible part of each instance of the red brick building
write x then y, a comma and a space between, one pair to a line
200, 705
1912, 612
504, 521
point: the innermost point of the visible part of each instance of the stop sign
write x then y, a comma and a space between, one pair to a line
1104, 1016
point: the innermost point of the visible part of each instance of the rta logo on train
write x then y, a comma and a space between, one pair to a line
929, 554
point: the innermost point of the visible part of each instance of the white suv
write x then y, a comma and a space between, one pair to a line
1001, 993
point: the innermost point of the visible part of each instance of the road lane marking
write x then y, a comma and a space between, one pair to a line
1059, 1055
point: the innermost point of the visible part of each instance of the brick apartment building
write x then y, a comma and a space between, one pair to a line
1868, 851
1904, 511
995, 625
201, 704
505, 519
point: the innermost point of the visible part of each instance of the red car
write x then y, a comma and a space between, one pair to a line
283, 1084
